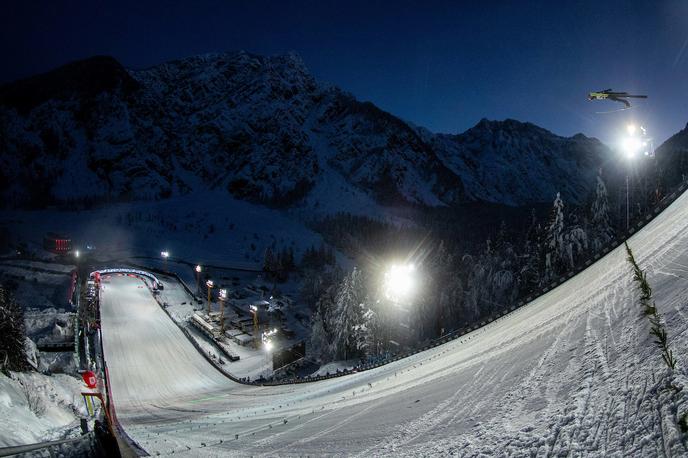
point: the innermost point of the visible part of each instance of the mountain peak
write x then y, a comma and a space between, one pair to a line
508, 125
265, 130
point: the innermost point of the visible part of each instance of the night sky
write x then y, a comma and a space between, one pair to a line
442, 65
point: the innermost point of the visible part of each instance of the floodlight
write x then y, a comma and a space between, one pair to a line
399, 281
631, 145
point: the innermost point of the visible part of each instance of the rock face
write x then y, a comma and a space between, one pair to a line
517, 163
266, 131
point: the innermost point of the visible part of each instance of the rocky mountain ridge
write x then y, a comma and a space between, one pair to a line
266, 131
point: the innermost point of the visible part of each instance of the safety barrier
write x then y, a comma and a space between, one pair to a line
57, 444
123, 270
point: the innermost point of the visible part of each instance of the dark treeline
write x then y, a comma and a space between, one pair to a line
467, 272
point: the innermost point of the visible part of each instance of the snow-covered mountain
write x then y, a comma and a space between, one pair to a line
264, 130
517, 163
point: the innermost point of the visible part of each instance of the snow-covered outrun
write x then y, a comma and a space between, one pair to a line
574, 373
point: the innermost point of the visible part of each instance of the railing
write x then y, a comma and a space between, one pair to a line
28, 448
123, 270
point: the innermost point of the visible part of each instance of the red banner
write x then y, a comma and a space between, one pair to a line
89, 379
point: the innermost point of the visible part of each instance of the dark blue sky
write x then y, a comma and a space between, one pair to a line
442, 65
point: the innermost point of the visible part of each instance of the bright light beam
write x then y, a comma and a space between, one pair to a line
631, 145
399, 282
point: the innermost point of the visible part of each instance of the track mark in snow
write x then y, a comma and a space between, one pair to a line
426, 422
332, 428
270, 439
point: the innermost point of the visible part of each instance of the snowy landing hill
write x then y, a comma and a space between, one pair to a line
263, 130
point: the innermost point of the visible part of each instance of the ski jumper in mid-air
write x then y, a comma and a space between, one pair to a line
621, 97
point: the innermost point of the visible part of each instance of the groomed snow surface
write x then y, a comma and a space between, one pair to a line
574, 372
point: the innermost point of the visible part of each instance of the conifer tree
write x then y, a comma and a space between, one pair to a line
554, 241
575, 242
530, 269
324, 319
369, 333
348, 315
602, 231
12, 334
319, 348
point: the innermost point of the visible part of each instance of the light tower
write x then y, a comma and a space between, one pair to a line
209, 284
254, 311
198, 278
223, 298
633, 144
165, 254
399, 284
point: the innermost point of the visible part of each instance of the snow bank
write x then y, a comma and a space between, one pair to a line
334, 366
36, 408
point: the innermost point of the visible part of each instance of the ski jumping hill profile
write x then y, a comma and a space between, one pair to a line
575, 371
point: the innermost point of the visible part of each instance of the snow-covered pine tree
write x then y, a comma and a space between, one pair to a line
348, 315
554, 240
602, 231
12, 334
319, 348
503, 272
575, 242
369, 333
476, 282
530, 264
325, 316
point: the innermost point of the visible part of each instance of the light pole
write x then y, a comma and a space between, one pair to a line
266, 338
165, 254
628, 207
254, 311
209, 284
399, 283
223, 298
198, 278
632, 145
